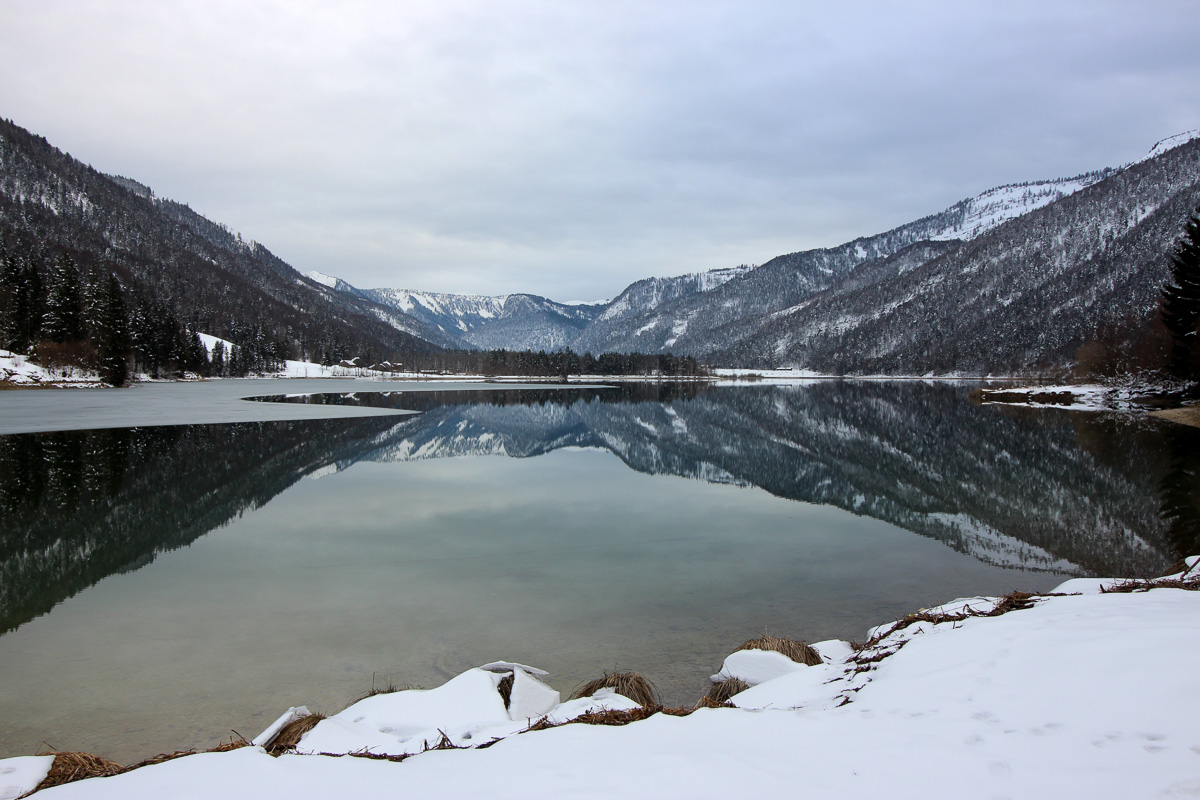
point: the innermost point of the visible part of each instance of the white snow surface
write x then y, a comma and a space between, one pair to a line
1089, 694
756, 666
286, 718
209, 341
1169, 143
17, 368
22, 774
996, 206
322, 278
767, 377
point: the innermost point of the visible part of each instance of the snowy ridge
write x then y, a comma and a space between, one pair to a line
649, 294
466, 311
979, 214
1169, 143
1029, 291
512, 321
323, 279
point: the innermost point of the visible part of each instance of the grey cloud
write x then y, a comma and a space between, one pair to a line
568, 149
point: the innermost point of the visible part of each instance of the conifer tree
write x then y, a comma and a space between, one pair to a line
63, 320
114, 339
1180, 306
10, 274
218, 358
21, 321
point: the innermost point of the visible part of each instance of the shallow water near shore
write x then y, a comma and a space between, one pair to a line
164, 586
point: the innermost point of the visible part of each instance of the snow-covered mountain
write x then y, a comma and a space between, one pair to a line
174, 264
966, 290
512, 321
971, 288
1027, 293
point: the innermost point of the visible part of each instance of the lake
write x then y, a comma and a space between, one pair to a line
162, 586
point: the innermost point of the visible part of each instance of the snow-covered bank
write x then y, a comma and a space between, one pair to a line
1081, 396
18, 370
1085, 693
787, 377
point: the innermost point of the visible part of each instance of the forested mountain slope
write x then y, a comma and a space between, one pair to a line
1025, 294
1015, 279
163, 252
713, 319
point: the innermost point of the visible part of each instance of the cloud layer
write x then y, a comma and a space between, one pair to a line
569, 148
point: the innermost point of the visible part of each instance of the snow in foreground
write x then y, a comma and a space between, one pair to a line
1087, 694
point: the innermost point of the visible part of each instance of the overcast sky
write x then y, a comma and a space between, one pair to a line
568, 148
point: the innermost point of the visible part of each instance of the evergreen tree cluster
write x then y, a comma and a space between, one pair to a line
560, 363
1180, 308
62, 316
172, 263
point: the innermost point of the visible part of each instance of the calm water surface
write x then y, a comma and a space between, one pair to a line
162, 586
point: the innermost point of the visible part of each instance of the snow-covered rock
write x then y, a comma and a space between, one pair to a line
756, 666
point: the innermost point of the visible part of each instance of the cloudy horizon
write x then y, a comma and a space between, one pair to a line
570, 149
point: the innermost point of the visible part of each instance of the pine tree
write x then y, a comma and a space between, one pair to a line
10, 276
1180, 307
114, 335
197, 355
63, 319
32, 301
21, 321
218, 358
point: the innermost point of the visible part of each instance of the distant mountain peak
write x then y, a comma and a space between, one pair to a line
1169, 143
323, 279
996, 206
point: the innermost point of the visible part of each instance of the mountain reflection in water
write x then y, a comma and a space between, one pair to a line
1070, 494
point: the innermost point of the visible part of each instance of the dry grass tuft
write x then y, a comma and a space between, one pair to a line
719, 694
386, 687
634, 685
159, 759
229, 744
1176, 568
289, 735
1189, 585
373, 756
505, 689
612, 717
794, 649
1015, 601
71, 767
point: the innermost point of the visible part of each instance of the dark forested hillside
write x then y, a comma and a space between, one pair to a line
1023, 277
1030, 276
166, 256
1027, 294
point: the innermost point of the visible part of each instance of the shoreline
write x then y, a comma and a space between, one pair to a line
1028, 664
1183, 415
